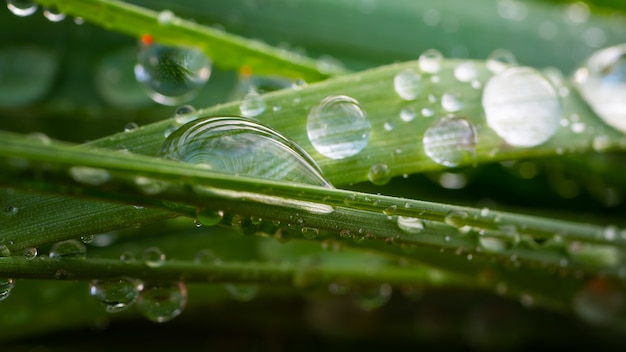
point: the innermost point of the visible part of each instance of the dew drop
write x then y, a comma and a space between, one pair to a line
153, 257
430, 61
130, 126
450, 141
252, 104
165, 17
87, 239
522, 107
206, 256
241, 292
70, 249
372, 298
184, 114
22, 8
30, 253
451, 101
172, 75
410, 225
310, 232
115, 295
456, 218
127, 257
408, 114
408, 84
338, 128
162, 302
390, 210
114, 85
500, 60
492, 244
6, 286
53, 15
379, 174
89, 175
601, 80
4, 251
465, 71
11, 210
208, 217
427, 112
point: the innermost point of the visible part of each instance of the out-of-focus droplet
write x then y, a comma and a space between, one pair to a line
252, 104
153, 257
22, 8
115, 295
89, 175
27, 74
450, 141
241, 292
162, 302
500, 60
465, 71
379, 174
430, 61
372, 298
408, 84
6, 286
410, 225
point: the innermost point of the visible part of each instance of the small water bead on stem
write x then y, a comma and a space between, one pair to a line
6, 286
115, 295
171, 75
410, 225
53, 15
185, 114
450, 141
22, 8
451, 101
379, 174
153, 257
252, 104
338, 128
162, 302
30, 253
499, 60
465, 71
522, 106
408, 84
408, 114
430, 61
207, 217
70, 249
89, 175
601, 80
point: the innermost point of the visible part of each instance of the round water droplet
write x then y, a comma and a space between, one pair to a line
522, 107
465, 71
27, 73
408, 84
241, 292
602, 83
500, 60
130, 126
70, 249
165, 17
427, 112
4, 251
310, 232
451, 101
30, 253
408, 114
115, 295
127, 257
390, 210
209, 217
87, 239
116, 83
89, 175
22, 8
410, 225
338, 128
153, 257
162, 302
372, 298
252, 104
430, 61
450, 141
6, 286
172, 75
185, 114
456, 218
379, 174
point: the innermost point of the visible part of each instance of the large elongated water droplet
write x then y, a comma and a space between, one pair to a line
70, 249
450, 141
115, 295
162, 302
602, 82
22, 8
522, 106
172, 75
338, 128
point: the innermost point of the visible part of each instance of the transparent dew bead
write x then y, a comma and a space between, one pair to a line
6, 286
379, 174
338, 128
450, 141
162, 302
499, 60
153, 257
451, 101
184, 114
115, 295
430, 61
408, 84
410, 225
30, 253
70, 249
208, 217
241, 292
310, 233
89, 175
522, 106
372, 298
465, 71
171, 75
22, 8
408, 114
601, 80
53, 15
252, 104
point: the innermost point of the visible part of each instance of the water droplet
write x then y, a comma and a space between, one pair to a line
430, 61
89, 175
241, 292
408, 84
310, 232
522, 107
4, 251
22, 8
465, 71
427, 112
456, 218
30, 253
153, 257
165, 17
87, 239
184, 114
601, 143
209, 217
6, 286
492, 244
600, 303
602, 82
390, 210
53, 15
408, 114
162, 302
527, 300
206, 256
372, 298
172, 75
115, 82
410, 225
70, 249
28, 73
127, 257
500, 60
130, 126
450, 141
11, 210
252, 104
338, 128
451, 101
115, 295
379, 174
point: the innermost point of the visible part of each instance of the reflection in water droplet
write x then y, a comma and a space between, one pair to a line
27, 74
242, 293
6, 286
338, 128
379, 174
602, 82
430, 61
115, 295
153, 257
408, 84
252, 104
450, 141
70, 249
172, 75
500, 60
372, 298
162, 302
522, 107
22, 8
